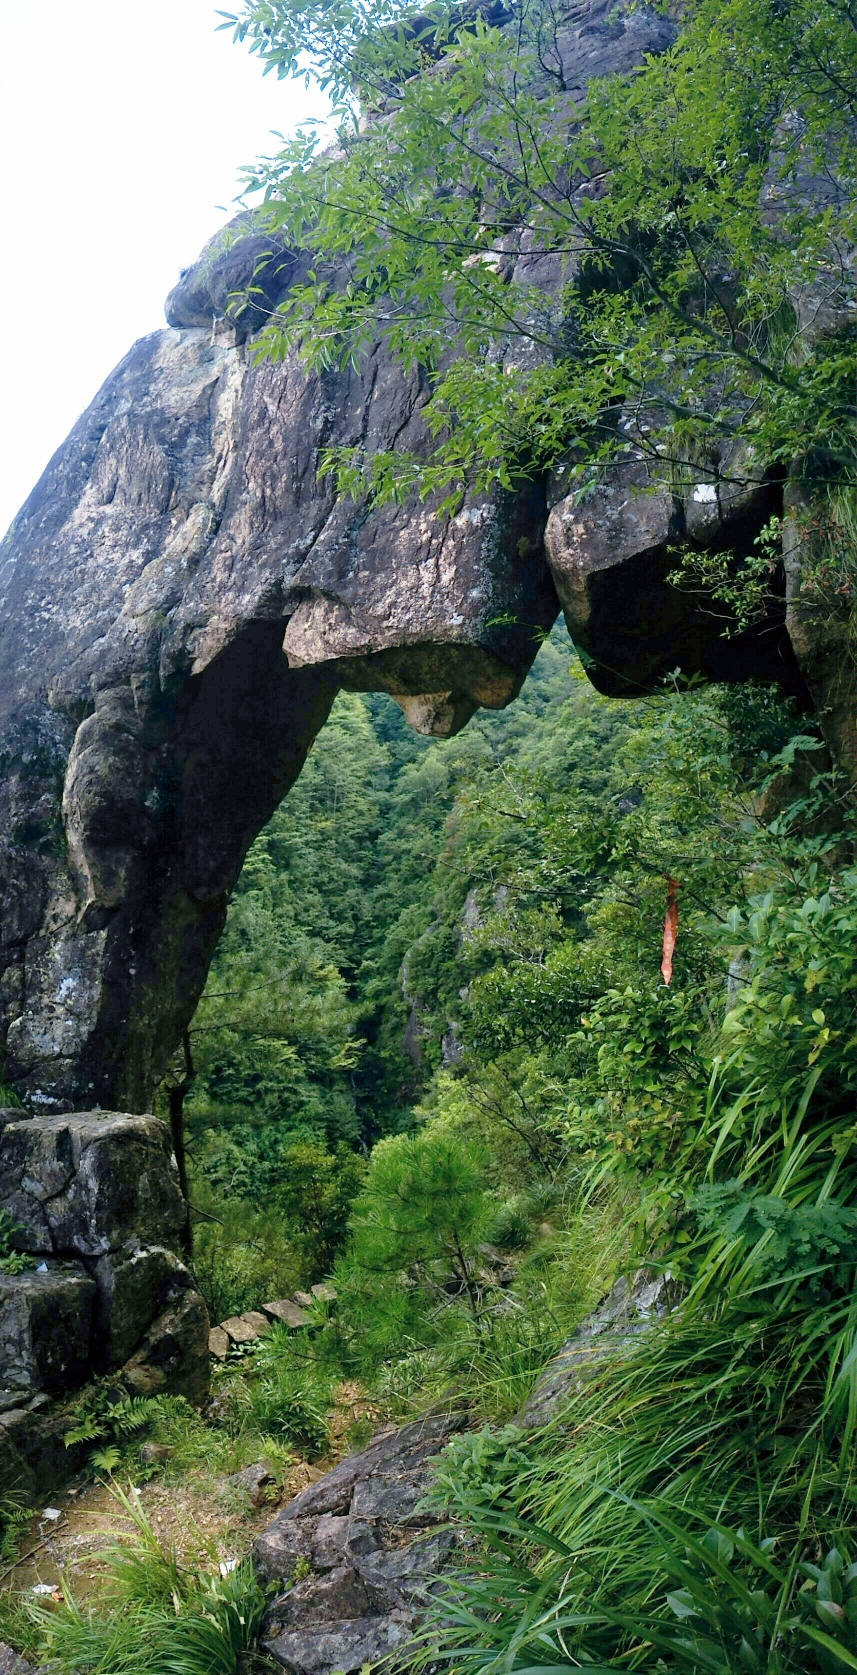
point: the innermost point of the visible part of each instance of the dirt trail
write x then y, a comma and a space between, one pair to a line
204, 1517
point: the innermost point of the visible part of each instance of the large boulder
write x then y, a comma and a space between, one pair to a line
370, 1556
86, 1183
96, 1200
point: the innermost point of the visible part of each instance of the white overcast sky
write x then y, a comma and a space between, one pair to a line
123, 125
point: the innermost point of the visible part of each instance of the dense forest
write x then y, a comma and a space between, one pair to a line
437, 1060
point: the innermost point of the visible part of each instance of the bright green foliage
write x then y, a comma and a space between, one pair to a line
351, 858
692, 268
591, 1118
14, 1513
289, 1396
12, 1261
732, 1607
423, 1208
708, 1126
744, 1404
103, 1414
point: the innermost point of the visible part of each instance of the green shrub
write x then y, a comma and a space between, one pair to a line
291, 1403
243, 1257
423, 1210
512, 1227
716, 1603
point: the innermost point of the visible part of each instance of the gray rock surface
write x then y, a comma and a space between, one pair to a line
181, 598
45, 1330
86, 1183
180, 602
96, 1199
627, 1310
12, 1664
173, 1356
33, 1451
254, 1481
373, 1556
610, 555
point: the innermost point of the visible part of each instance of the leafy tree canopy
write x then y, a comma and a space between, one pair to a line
648, 273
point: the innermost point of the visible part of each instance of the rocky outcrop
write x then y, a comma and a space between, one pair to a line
96, 1203
357, 1554
360, 1556
629, 1309
182, 596
611, 554
180, 599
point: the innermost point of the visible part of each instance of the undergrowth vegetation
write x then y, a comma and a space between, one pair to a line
563, 1118
576, 1118
156, 1614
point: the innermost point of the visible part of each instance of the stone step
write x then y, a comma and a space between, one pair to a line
323, 1293
247, 1327
240, 1329
288, 1311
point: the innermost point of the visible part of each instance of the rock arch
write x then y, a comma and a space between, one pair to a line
180, 600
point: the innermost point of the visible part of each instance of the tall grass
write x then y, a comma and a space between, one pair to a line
738, 1414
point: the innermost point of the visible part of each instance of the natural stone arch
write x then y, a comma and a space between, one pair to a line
151, 718
181, 598
180, 603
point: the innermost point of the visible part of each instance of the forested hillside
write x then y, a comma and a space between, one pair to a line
437, 1059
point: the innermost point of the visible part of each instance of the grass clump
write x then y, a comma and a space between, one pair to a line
287, 1395
154, 1614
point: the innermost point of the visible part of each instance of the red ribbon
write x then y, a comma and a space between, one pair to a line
670, 931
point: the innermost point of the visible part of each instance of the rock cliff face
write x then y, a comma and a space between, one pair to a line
95, 1201
181, 598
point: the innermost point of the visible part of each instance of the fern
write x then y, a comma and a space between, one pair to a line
13, 1514
105, 1459
12, 1261
101, 1417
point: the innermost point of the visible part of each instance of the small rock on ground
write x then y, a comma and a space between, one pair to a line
12, 1664
288, 1312
255, 1481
